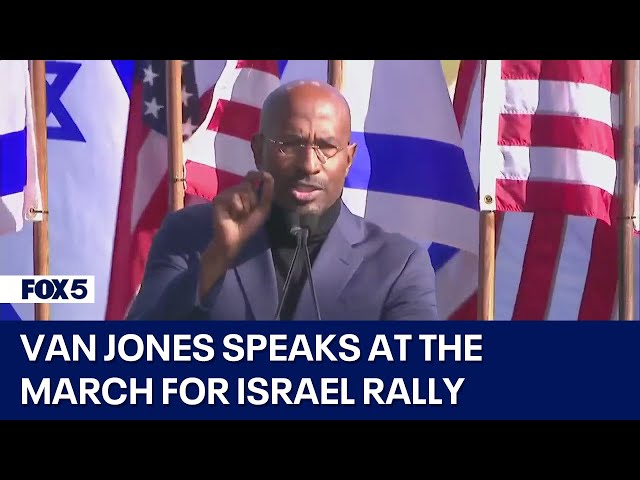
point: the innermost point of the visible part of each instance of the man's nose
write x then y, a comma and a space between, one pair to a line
310, 161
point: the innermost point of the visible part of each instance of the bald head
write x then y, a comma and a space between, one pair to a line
294, 117
287, 98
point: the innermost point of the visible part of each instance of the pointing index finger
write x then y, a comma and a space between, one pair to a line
256, 179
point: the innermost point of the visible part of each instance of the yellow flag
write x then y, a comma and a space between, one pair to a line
450, 69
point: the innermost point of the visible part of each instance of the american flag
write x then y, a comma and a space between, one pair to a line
219, 154
143, 201
551, 136
557, 259
153, 75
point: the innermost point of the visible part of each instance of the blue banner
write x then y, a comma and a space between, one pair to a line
320, 370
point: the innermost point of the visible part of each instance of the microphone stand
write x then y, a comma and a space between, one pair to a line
302, 235
287, 280
305, 236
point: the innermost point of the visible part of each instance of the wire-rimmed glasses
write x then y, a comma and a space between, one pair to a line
324, 151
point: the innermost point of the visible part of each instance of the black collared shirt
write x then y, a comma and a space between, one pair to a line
283, 245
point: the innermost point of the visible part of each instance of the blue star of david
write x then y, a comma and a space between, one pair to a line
68, 130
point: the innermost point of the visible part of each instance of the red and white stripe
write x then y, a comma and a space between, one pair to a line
550, 136
218, 154
549, 265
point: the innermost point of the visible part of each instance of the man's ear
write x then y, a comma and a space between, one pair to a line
256, 148
351, 153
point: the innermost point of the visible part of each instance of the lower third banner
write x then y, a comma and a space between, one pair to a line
320, 370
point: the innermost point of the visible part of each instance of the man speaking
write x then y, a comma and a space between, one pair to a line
247, 255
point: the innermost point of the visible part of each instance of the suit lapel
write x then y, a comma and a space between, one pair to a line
333, 268
257, 277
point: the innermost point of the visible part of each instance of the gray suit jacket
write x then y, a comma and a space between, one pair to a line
361, 273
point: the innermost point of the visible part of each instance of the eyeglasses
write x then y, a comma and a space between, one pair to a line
291, 148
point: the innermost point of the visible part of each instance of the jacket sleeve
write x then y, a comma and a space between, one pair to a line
169, 289
413, 294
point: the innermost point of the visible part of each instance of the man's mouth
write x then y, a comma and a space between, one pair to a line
304, 192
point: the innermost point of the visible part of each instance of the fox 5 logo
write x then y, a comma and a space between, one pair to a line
47, 289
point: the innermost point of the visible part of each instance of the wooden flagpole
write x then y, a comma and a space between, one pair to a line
629, 104
335, 73
174, 135
487, 267
487, 247
41, 228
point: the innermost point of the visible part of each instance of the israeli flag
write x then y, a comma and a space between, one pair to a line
88, 108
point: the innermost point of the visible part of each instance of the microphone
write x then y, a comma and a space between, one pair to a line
293, 219
301, 227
